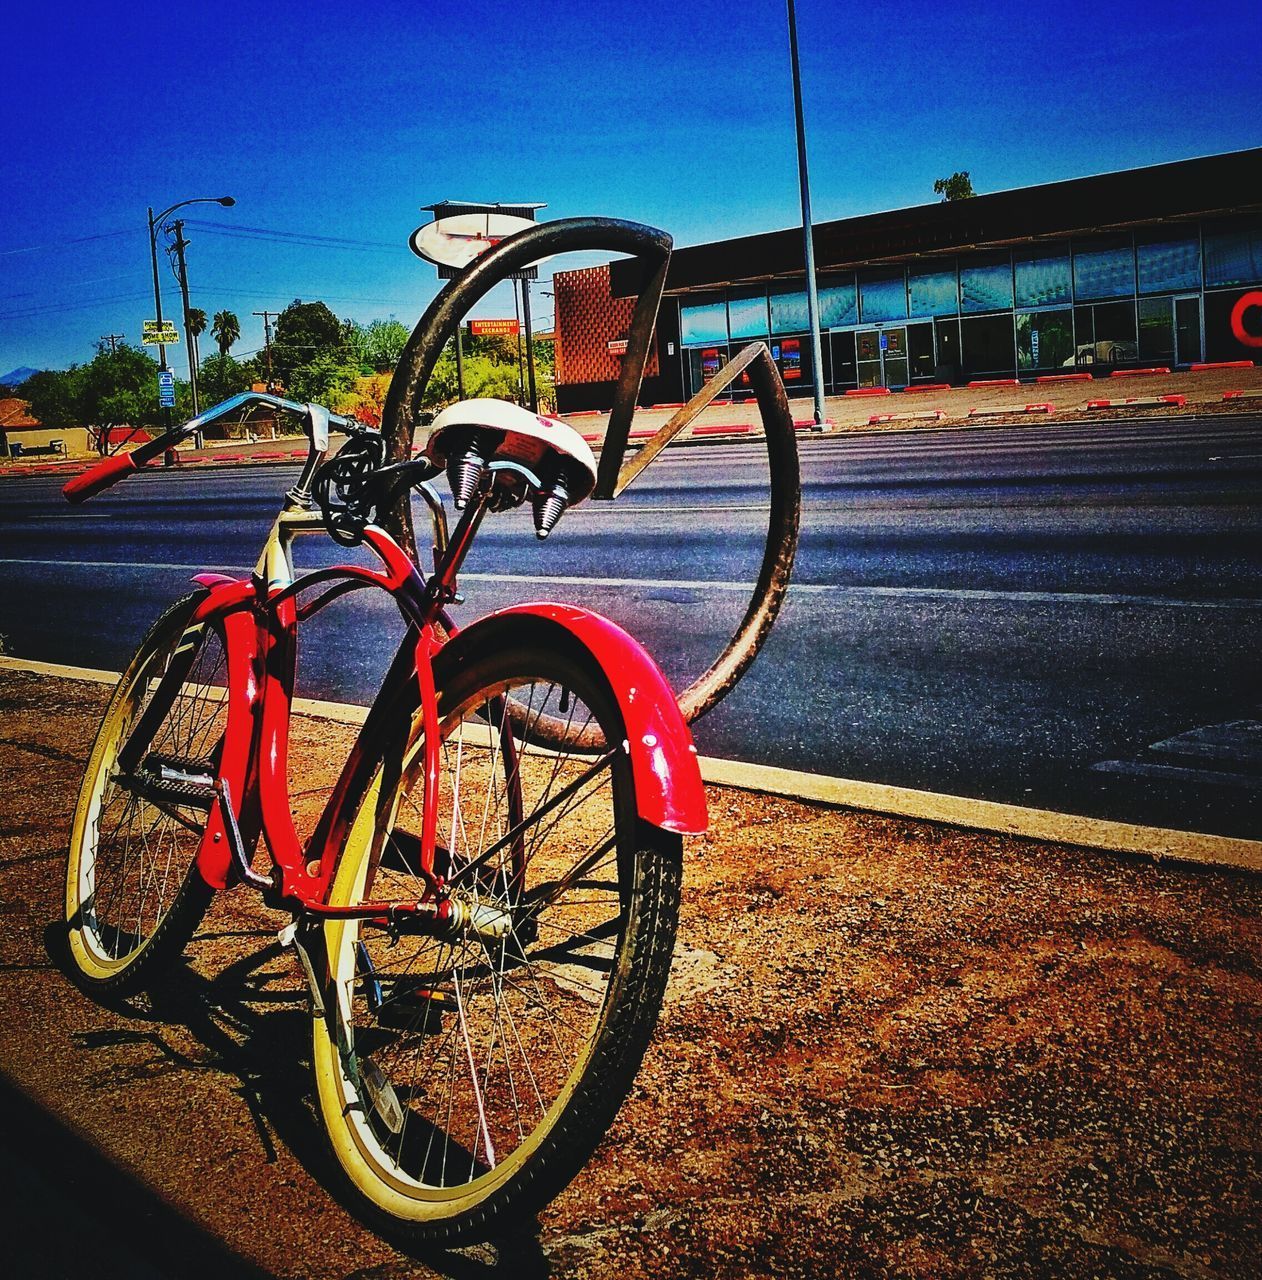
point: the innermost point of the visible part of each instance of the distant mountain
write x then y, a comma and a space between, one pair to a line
15, 377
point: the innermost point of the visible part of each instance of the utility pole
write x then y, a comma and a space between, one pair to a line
267, 341
180, 245
113, 339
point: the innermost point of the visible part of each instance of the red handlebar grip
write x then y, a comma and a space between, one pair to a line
107, 472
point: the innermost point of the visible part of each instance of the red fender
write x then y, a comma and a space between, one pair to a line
668, 785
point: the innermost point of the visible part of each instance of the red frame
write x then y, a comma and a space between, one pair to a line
259, 629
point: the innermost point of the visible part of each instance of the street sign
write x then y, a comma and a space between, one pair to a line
166, 389
617, 346
885, 342
493, 328
1034, 346
155, 334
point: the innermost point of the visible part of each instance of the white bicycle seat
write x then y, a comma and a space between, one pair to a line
528, 438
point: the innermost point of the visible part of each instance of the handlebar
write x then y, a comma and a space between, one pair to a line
109, 471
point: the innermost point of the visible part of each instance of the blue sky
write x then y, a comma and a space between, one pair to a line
341, 121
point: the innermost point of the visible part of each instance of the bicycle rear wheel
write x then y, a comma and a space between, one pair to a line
133, 894
467, 1078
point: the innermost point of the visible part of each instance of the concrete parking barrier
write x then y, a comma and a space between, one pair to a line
1063, 377
994, 382
928, 386
1242, 395
1004, 410
1202, 365
1138, 373
927, 415
868, 391
1138, 402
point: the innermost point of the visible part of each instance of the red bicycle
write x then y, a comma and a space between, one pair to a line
486, 909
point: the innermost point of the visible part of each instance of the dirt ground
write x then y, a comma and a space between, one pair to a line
890, 1049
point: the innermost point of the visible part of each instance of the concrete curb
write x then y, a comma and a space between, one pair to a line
931, 806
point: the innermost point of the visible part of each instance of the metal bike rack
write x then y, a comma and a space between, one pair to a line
652, 249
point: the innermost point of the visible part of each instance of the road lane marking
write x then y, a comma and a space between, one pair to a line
708, 584
850, 793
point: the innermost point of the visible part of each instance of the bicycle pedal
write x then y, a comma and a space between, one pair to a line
414, 1009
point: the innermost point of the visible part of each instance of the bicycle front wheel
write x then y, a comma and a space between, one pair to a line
133, 894
466, 1078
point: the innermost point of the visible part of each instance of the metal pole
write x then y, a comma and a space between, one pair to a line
812, 292
459, 363
521, 364
180, 244
157, 309
530, 346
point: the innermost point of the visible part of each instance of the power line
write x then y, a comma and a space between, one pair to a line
61, 244
240, 232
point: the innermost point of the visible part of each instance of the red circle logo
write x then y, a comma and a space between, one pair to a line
1244, 303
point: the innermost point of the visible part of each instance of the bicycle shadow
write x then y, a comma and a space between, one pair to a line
252, 1018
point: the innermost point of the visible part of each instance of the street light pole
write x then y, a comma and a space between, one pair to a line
227, 202
812, 292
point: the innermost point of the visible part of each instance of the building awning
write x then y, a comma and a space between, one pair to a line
1184, 189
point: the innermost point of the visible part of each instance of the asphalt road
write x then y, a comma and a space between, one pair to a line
1016, 613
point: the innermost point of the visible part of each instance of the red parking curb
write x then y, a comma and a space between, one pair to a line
868, 391
928, 386
995, 382
1063, 377
1138, 373
721, 428
1221, 364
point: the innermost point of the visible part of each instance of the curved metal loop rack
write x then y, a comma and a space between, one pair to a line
616, 470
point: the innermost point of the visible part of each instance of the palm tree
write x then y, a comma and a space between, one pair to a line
196, 322
226, 330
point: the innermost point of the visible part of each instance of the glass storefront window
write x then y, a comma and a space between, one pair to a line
1233, 253
747, 313
1042, 279
703, 364
789, 312
704, 321
1045, 340
1104, 268
883, 298
1114, 325
933, 293
837, 303
986, 284
986, 346
1167, 265
1156, 330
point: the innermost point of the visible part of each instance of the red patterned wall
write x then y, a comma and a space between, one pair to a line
588, 318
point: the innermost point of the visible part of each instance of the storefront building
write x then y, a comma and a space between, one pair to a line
1150, 267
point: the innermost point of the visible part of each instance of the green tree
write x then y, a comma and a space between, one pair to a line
196, 322
323, 379
378, 345
222, 376
55, 397
957, 187
226, 329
